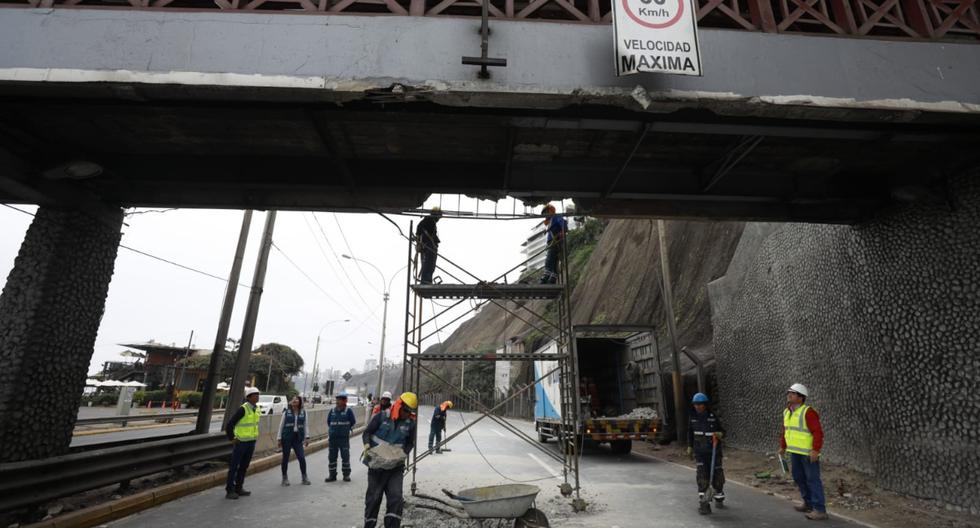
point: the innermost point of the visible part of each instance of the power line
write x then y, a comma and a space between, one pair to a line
330, 265
315, 283
145, 254
342, 268
353, 256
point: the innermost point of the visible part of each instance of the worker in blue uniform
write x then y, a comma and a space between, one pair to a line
703, 432
340, 423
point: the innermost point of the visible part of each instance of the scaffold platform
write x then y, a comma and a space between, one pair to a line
488, 290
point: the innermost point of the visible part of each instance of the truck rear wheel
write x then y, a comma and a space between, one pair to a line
543, 438
621, 447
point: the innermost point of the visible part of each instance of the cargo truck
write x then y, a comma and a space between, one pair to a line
619, 385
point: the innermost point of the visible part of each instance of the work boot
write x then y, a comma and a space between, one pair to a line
803, 507
231, 495
331, 478
346, 478
243, 492
306, 481
817, 516
704, 508
285, 481
720, 499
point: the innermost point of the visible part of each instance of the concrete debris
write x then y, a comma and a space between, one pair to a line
640, 413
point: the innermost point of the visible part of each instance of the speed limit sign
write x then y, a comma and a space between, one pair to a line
656, 36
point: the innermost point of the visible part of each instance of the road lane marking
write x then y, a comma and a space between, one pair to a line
502, 435
545, 466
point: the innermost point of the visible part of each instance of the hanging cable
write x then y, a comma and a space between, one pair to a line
341, 264
353, 256
145, 254
317, 285
333, 270
495, 470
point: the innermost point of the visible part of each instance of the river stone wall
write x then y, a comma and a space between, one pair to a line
882, 322
50, 310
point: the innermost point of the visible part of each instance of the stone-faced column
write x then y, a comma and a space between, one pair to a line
50, 310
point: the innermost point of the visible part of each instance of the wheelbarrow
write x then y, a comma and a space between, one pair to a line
507, 501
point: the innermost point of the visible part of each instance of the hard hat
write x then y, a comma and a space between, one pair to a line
342, 396
250, 391
548, 209
410, 399
700, 398
386, 394
799, 388
436, 211
449, 404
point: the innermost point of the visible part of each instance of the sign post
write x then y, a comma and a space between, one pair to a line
656, 36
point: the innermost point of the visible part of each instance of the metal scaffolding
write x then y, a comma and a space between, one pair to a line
511, 298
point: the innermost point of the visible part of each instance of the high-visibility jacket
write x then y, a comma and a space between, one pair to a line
798, 437
247, 429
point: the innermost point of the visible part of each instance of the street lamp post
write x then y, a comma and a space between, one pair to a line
384, 319
316, 353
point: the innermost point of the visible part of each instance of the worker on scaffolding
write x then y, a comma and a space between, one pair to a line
383, 405
556, 226
388, 438
427, 240
438, 425
704, 436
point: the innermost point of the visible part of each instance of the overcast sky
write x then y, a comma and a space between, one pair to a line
149, 299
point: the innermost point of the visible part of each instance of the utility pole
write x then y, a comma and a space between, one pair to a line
237, 390
224, 321
680, 425
381, 364
268, 376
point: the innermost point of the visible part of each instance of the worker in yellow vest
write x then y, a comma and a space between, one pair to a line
802, 438
242, 430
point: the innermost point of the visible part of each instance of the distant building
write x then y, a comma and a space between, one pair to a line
537, 240
157, 365
370, 364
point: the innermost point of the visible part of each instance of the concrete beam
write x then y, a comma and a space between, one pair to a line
549, 64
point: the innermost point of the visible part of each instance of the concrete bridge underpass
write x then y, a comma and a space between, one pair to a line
105, 108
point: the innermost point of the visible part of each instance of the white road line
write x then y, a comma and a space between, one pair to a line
545, 466
502, 435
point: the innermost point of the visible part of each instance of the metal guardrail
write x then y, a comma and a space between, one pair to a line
37, 481
133, 418
139, 417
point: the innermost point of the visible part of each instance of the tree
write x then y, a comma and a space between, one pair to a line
282, 361
285, 363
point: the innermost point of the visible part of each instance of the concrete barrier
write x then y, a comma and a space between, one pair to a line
316, 420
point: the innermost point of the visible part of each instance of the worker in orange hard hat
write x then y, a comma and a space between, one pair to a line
438, 425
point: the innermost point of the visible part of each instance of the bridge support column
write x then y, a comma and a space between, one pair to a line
50, 311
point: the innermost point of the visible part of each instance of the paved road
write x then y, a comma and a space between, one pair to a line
625, 491
138, 432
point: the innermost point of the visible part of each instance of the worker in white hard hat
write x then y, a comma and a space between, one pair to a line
384, 404
242, 430
802, 438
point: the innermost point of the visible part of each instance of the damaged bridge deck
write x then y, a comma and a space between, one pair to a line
234, 110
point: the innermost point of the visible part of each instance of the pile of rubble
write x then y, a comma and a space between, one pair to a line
640, 413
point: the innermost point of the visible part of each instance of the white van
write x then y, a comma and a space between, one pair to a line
272, 404
353, 401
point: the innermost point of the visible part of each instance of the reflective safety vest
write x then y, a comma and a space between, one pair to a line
798, 437
247, 429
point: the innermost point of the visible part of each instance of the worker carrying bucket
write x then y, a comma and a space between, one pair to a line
704, 443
